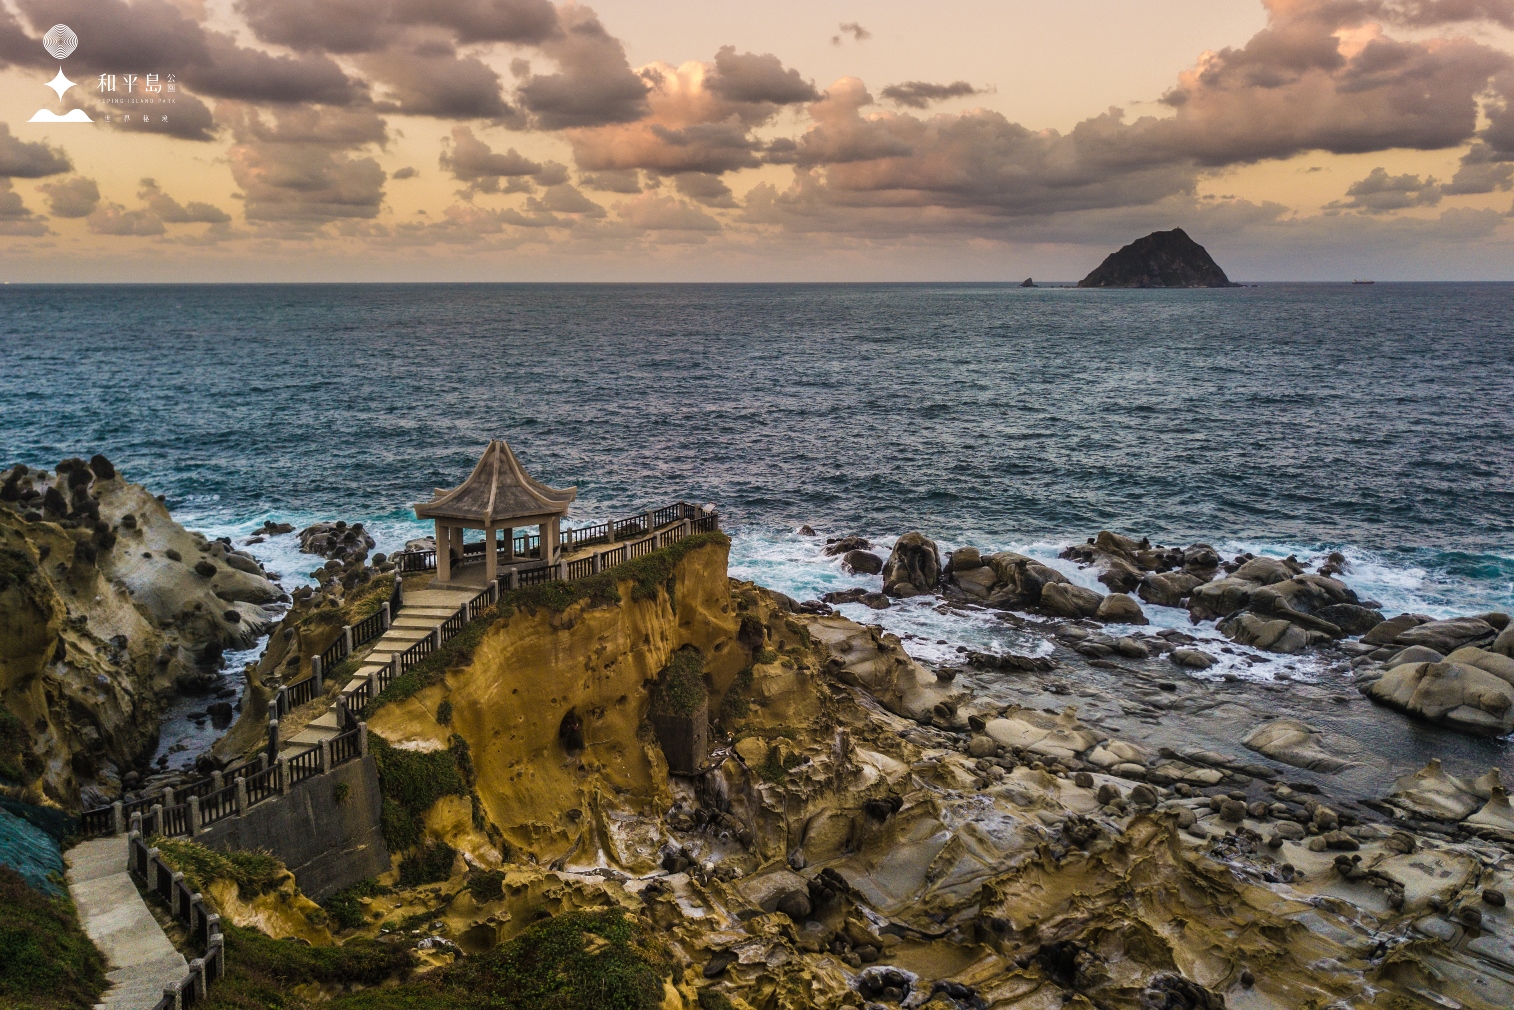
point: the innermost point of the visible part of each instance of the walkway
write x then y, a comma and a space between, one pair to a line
423, 612
139, 956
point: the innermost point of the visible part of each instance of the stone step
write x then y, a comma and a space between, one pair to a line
425, 622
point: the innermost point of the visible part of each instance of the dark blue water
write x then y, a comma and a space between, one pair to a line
1298, 416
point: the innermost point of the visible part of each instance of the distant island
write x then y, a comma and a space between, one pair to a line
1163, 259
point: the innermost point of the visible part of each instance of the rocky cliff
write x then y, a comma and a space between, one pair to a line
106, 606
1163, 259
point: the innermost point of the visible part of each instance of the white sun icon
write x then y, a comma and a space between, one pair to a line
60, 83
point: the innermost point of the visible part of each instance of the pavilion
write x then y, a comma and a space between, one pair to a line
498, 495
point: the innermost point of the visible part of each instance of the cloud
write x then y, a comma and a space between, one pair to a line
75, 196
563, 198
1380, 193
432, 80
855, 30
594, 84
707, 189
171, 211
187, 119
614, 181
651, 212
297, 169
22, 159
114, 219
408, 172
364, 26
472, 161
752, 79
1481, 171
919, 94
15, 218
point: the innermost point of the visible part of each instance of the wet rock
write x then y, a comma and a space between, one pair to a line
874, 601
1168, 589
1458, 697
1143, 795
965, 559
1416, 654
1388, 631
1131, 649
862, 563
913, 566
1067, 600
1504, 643
982, 747
1276, 635
1219, 598
977, 582
1295, 743
1432, 793
1193, 659
1350, 618
1118, 608
1498, 665
1447, 636
1168, 991
336, 541
853, 595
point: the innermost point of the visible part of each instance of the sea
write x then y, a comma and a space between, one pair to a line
1279, 419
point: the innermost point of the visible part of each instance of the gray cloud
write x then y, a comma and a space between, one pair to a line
408, 172
364, 26
1481, 171
472, 161
614, 181
432, 80
565, 199
705, 188
919, 94
114, 219
749, 78
594, 84
297, 171
171, 211
75, 196
15, 218
855, 30
23, 159
1380, 193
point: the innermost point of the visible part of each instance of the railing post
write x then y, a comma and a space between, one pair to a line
171, 993
610, 536
136, 822
384, 609
173, 893
436, 637
646, 517
362, 739
194, 816
598, 563
394, 667
168, 796
273, 738
283, 775
562, 571
325, 756
319, 675
241, 795
197, 969
347, 638
117, 817
515, 578
217, 780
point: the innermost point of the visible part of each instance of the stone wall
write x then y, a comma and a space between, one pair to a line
328, 844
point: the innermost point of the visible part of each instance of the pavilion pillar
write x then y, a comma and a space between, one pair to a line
491, 560
509, 544
547, 543
443, 552
457, 543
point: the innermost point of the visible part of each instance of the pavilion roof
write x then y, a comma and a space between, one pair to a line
497, 490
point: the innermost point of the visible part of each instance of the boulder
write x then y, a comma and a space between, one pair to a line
1117, 608
1496, 815
976, 582
965, 559
862, 563
1498, 665
1021, 580
1453, 695
1064, 599
1200, 557
1264, 571
1059, 737
1504, 643
1293, 743
913, 567
1118, 574
1219, 598
1350, 618
771, 890
1387, 632
1193, 659
844, 544
1430, 792
1275, 635
1168, 589
1416, 654
1447, 636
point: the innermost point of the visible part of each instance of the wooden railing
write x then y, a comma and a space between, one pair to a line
189, 909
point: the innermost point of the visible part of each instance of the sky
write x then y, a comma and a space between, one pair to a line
974, 140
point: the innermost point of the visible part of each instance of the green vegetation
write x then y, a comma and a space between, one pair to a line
709, 999
46, 961
486, 885
410, 783
255, 873
775, 767
345, 907
17, 762
429, 864
261, 972
737, 701
444, 713
601, 960
680, 687
764, 656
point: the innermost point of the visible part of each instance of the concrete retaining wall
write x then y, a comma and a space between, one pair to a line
327, 844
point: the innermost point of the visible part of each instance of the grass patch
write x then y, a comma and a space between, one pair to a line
764, 655
737, 702
710, 999
255, 873
46, 961
775, 769
17, 762
261, 972
680, 687
429, 864
345, 906
486, 885
410, 783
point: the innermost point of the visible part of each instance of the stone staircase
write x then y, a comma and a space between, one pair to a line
141, 960
423, 612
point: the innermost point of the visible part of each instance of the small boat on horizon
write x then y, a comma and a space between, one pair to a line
1364, 282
